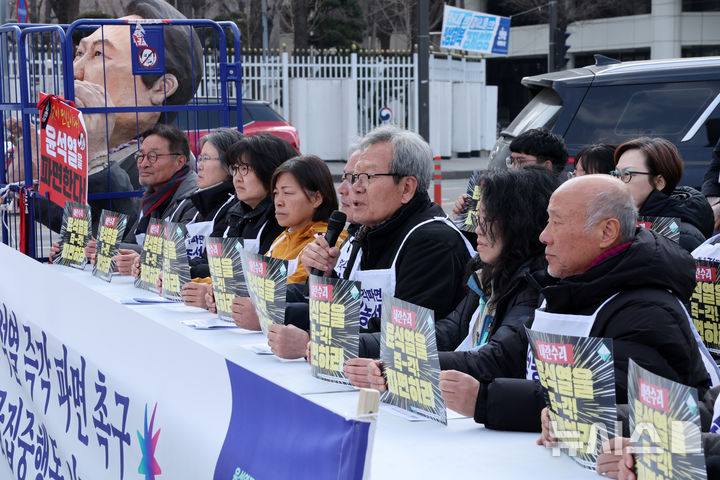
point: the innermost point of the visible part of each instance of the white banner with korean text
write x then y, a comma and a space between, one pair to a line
90, 389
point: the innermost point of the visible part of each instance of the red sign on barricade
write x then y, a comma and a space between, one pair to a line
63, 151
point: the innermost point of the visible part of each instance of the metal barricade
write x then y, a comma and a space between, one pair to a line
117, 106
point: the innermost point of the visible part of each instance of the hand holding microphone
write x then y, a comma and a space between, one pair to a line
321, 255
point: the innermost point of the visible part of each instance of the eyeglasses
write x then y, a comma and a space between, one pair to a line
363, 179
626, 175
204, 158
241, 168
152, 157
518, 161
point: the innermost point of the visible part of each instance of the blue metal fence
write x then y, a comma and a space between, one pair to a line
39, 58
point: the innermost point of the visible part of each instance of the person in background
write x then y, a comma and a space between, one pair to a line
711, 185
536, 146
505, 277
652, 168
598, 158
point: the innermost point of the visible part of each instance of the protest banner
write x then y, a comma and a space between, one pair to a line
228, 280
665, 426
98, 390
334, 326
151, 257
63, 151
74, 235
410, 363
175, 266
467, 219
475, 31
110, 231
578, 381
704, 304
668, 227
266, 279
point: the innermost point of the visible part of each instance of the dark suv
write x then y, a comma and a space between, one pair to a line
611, 102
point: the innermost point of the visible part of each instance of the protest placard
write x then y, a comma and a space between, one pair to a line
63, 151
74, 235
704, 304
578, 380
175, 266
110, 231
266, 279
467, 219
151, 257
226, 271
665, 426
668, 227
408, 352
334, 326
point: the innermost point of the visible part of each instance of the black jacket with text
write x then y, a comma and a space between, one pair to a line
430, 267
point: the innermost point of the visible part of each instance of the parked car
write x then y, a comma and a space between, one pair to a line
257, 116
612, 101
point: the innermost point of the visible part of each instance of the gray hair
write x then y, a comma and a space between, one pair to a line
222, 139
617, 203
412, 156
353, 147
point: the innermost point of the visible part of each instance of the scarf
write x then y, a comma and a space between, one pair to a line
152, 200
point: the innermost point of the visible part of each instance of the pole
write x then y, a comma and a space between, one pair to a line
552, 48
423, 69
437, 179
265, 28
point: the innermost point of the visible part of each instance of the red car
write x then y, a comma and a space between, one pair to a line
257, 117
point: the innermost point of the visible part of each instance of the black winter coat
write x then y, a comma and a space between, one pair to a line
696, 215
645, 320
711, 185
513, 310
430, 267
210, 203
243, 222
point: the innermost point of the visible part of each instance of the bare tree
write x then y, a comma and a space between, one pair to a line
65, 10
388, 17
572, 10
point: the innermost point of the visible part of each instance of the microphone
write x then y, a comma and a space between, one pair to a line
336, 223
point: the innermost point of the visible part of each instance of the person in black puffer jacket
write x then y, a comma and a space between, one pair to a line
652, 168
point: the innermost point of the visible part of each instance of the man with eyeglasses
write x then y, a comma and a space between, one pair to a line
406, 246
538, 146
535, 146
167, 180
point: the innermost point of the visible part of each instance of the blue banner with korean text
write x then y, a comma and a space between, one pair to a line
475, 31
315, 442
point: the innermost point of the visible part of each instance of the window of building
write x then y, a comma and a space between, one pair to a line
701, 6
584, 59
701, 51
